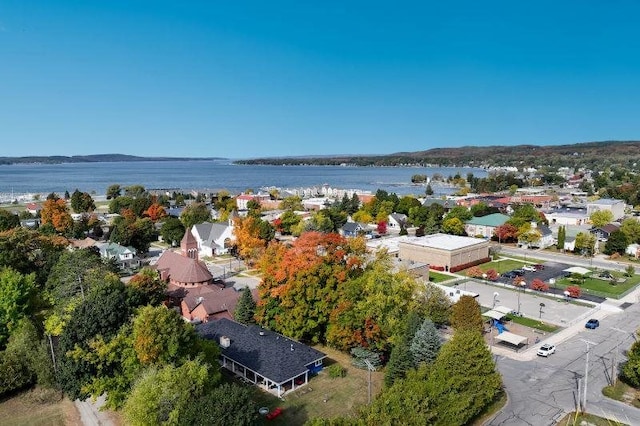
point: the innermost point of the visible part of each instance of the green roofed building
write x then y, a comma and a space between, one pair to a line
484, 226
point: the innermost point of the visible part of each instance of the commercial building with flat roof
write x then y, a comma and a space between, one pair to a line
445, 252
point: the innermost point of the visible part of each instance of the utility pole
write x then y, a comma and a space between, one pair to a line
371, 368
586, 374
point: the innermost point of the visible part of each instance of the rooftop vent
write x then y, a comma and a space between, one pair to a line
225, 341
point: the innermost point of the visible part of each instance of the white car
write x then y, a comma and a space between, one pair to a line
529, 268
546, 350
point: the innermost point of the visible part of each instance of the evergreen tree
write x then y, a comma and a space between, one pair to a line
425, 344
562, 236
401, 358
246, 308
429, 191
463, 378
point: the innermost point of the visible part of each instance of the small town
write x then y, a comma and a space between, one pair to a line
319, 305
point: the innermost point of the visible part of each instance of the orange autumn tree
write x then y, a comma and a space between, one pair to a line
155, 212
303, 283
248, 242
56, 212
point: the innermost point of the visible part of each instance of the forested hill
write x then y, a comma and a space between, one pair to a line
589, 154
98, 158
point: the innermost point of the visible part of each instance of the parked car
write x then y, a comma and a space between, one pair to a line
510, 274
519, 272
592, 324
546, 350
529, 268
539, 266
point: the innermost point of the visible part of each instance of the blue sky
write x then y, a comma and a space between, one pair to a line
250, 79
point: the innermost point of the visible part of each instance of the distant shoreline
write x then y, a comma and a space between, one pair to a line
98, 158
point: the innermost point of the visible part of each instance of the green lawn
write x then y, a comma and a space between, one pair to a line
435, 277
602, 286
533, 323
502, 266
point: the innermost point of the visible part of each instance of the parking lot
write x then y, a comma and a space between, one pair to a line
552, 270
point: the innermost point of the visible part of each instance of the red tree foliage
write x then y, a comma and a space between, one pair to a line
506, 233
492, 274
539, 285
382, 227
574, 291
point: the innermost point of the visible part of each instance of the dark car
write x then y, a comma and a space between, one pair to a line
519, 272
592, 324
510, 275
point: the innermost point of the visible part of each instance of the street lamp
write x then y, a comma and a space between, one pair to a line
522, 285
541, 306
495, 298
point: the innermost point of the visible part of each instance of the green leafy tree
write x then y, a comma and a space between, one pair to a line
228, 404
460, 212
631, 227
289, 220
172, 230
406, 203
631, 368
161, 396
616, 243
600, 218
82, 202
524, 213
585, 243
425, 344
435, 304
137, 233
194, 214
104, 310
113, 191
8, 220
149, 285
292, 203
16, 300
453, 226
25, 361
246, 308
465, 315
160, 336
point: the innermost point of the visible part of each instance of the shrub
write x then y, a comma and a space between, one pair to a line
539, 285
336, 370
574, 291
492, 274
474, 272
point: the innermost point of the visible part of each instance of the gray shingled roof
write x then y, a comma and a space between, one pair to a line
269, 354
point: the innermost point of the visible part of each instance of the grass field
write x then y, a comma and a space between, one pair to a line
502, 266
38, 408
602, 286
533, 323
323, 396
435, 277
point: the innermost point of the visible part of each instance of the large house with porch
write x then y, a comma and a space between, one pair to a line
266, 359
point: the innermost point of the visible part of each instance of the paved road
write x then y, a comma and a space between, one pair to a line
543, 390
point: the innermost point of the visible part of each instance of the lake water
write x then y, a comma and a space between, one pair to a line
211, 175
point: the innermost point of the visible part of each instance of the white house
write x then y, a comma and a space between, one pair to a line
633, 250
397, 220
575, 217
213, 238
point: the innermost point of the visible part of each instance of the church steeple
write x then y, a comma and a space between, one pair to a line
189, 245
